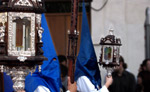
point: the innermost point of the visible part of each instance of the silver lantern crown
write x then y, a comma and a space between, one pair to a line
110, 52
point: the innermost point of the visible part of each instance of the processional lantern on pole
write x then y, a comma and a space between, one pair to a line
20, 39
110, 52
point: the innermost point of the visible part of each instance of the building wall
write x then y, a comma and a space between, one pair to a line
127, 18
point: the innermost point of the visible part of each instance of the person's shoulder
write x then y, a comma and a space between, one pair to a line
129, 73
84, 84
114, 74
83, 78
143, 73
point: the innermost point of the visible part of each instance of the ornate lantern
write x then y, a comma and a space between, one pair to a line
110, 52
20, 38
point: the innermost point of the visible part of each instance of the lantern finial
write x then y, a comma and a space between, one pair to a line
111, 29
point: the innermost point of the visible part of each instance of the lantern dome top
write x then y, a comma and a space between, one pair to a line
36, 6
110, 39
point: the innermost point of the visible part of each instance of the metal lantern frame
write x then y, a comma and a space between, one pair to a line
14, 61
110, 52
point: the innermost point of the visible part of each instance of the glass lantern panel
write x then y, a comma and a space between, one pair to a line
117, 53
107, 53
21, 30
21, 34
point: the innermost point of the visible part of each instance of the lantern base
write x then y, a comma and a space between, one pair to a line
18, 75
109, 71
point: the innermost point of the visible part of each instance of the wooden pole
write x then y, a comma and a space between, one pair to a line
72, 42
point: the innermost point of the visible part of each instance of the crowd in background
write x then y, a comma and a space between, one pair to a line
123, 80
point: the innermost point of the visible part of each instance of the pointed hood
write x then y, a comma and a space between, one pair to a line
86, 64
50, 74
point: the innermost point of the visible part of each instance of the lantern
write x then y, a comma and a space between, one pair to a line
110, 52
20, 38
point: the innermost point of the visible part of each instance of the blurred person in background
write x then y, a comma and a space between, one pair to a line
123, 81
143, 80
63, 60
64, 71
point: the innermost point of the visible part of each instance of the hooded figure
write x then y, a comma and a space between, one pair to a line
48, 80
87, 72
86, 64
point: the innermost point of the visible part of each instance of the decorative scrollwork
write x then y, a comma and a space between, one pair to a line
3, 20
24, 3
2, 33
39, 28
22, 58
38, 19
40, 31
18, 75
1, 68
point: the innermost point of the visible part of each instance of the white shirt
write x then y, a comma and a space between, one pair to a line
41, 89
85, 85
